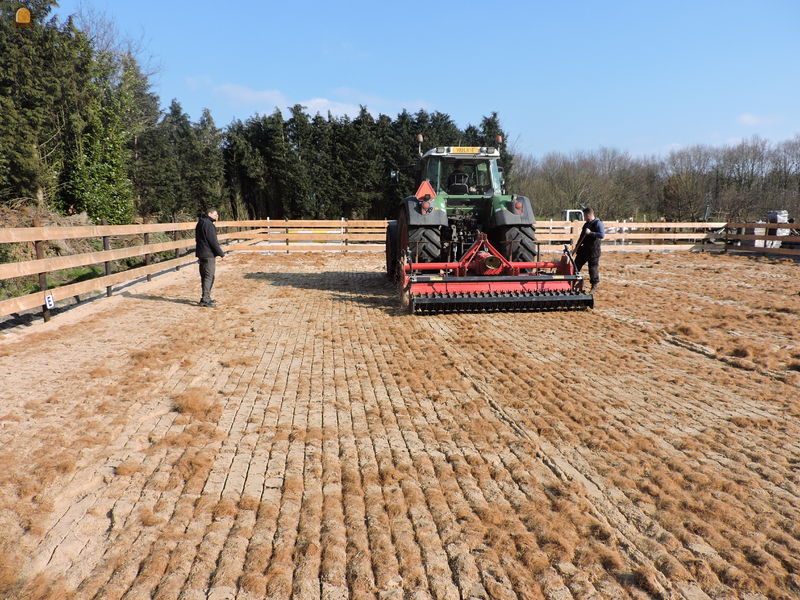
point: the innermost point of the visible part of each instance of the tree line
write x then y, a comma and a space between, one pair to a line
81, 130
739, 182
317, 167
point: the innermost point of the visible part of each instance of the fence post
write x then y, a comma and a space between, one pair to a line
286, 231
177, 252
39, 248
727, 240
107, 246
346, 232
147, 256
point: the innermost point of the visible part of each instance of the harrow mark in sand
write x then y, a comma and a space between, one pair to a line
485, 281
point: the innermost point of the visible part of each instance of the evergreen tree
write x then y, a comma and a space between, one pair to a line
442, 131
297, 176
323, 202
179, 201
141, 120
490, 129
205, 175
155, 172
365, 167
96, 175
44, 81
404, 158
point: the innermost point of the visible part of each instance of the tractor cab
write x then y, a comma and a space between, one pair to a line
462, 171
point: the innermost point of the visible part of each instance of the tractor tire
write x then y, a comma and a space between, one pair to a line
517, 243
392, 250
425, 244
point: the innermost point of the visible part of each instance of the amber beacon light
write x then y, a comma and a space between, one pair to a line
22, 18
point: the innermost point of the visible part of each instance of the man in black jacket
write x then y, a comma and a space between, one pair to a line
588, 249
207, 250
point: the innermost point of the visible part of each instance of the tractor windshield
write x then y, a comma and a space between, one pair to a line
462, 177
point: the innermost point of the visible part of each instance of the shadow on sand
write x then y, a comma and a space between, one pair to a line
159, 298
364, 288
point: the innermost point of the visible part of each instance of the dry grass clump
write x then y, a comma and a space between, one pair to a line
194, 463
691, 331
98, 372
248, 503
50, 466
239, 361
144, 359
127, 468
733, 576
742, 351
645, 578
610, 558
254, 583
33, 516
198, 403
10, 571
223, 509
670, 566
44, 587
752, 423
148, 518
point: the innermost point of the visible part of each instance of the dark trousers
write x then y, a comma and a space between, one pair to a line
594, 265
207, 268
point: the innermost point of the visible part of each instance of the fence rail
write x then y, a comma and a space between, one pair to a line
622, 236
309, 236
763, 238
251, 236
303, 235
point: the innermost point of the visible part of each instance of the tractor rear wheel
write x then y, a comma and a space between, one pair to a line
425, 244
517, 243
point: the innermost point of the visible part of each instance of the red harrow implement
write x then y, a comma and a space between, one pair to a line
484, 280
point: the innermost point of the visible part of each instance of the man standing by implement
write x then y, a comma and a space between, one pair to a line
207, 250
588, 249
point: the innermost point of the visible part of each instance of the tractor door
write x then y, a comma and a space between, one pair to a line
430, 172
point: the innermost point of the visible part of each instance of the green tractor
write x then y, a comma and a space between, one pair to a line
461, 193
461, 243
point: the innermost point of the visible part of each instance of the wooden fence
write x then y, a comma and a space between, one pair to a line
623, 236
755, 238
268, 236
312, 236
252, 236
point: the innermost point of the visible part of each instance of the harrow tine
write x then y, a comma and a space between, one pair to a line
491, 302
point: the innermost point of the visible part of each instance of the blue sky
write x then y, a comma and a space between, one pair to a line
641, 76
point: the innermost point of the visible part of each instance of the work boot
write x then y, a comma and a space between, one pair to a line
208, 303
594, 287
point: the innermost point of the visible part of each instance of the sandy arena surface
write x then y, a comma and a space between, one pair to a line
307, 440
